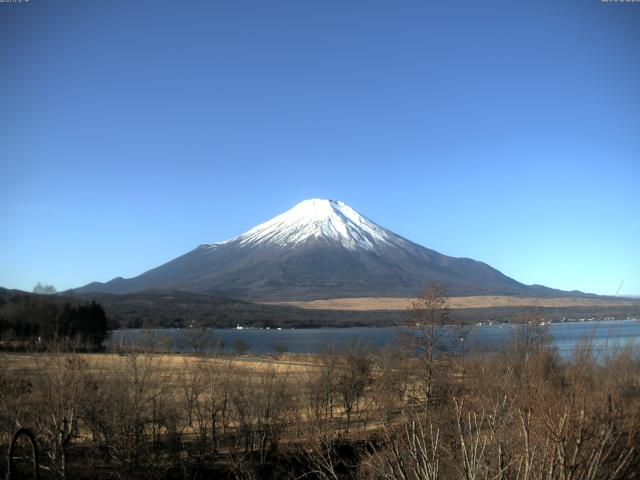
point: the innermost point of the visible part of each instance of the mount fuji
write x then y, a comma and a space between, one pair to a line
320, 249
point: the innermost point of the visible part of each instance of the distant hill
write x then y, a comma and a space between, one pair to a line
166, 308
320, 249
161, 308
180, 309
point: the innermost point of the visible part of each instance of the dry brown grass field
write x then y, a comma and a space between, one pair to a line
401, 303
356, 415
171, 364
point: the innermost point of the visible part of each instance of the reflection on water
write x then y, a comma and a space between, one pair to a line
606, 336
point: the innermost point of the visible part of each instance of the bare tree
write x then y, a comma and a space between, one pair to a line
240, 346
280, 349
429, 313
59, 383
220, 378
201, 340
390, 383
124, 410
44, 289
408, 450
192, 383
262, 410
320, 394
353, 377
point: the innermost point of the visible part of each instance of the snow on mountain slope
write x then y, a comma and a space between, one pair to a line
318, 249
316, 218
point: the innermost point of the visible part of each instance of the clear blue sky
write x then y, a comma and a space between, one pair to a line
504, 131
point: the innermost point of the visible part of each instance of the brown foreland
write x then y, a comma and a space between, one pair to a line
489, 301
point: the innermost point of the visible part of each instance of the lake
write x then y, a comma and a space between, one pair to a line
606, 336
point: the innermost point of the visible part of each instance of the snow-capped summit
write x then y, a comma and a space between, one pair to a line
319, 219
318, 249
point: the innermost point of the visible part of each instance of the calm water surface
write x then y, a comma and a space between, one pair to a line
606, 336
